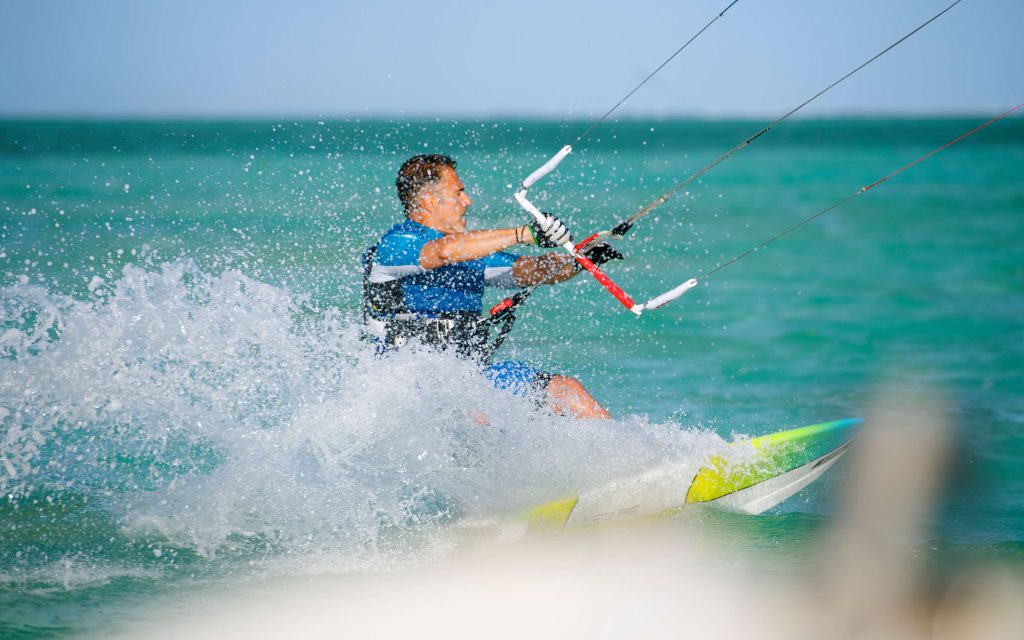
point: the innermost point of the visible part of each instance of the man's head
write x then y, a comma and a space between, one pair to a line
432, 194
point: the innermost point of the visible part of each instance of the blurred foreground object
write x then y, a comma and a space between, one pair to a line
669, 580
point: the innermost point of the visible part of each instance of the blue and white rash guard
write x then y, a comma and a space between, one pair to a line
454, 288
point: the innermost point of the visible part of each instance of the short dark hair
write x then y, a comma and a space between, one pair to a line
418, 172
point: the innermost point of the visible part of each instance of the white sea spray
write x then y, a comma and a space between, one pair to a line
217, 412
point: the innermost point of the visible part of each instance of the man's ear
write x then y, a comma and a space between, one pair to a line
427, 200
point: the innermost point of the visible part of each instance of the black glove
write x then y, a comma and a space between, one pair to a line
549, 233
602, 252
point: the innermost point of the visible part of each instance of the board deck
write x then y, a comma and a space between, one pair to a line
749, 476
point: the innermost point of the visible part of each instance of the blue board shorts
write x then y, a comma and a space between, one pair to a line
522, 380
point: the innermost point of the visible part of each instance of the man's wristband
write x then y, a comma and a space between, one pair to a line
524, 235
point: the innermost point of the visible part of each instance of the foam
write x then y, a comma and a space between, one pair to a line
219, 412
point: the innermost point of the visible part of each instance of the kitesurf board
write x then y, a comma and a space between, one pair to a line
747, 476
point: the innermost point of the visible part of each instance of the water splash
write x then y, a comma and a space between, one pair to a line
224, 419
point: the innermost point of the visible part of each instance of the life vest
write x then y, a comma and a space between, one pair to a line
390, 323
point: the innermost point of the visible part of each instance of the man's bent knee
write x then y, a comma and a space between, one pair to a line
568, 396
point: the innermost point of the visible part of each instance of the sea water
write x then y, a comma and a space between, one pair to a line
185, 401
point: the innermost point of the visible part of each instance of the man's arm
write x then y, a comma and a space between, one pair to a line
470, 245
549, 268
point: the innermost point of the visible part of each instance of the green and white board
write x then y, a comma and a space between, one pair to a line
747, 476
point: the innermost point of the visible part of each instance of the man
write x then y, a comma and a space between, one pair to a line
425, 280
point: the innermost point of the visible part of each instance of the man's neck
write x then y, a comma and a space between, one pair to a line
422, 217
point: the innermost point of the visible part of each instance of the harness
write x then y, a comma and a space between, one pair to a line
389, 321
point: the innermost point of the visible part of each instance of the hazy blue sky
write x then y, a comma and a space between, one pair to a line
530, 57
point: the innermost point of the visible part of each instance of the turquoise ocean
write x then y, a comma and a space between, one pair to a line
185, 402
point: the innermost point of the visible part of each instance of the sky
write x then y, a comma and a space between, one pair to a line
534, 58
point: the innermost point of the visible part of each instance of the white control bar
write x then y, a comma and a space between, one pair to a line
547, 167
585, 262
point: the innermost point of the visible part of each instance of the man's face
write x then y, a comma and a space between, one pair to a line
450, 202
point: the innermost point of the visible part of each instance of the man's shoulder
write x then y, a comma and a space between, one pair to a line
403, 242
408, 228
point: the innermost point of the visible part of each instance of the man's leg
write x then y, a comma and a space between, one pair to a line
567, 396
561, 394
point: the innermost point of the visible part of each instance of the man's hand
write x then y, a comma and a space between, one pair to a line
602, 252
549, 232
